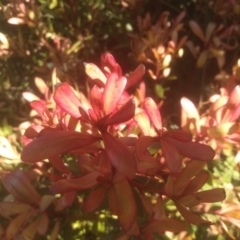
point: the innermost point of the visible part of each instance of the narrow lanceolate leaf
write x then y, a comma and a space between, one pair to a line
211, 196
96, 100
171, 155
197, 30
66, 99
191, 170
53, 142
189, 108
189, 216
120, 156
112, 92
94, 199
95, 74
136, 76
18, 184
125, 113
153, 113
126, 205
81, 183
193, 150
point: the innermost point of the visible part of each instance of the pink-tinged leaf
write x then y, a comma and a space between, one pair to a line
183, 179
68, 199
55, 231
125, 113
66, 99
189, 201
142, 120
180, 17
96, 101
211, 196
109, 64
178, 135
112, 92
171, 155
42, 110
196, 183
43, 224
76, 184
136, 76
94, 199
120, 156
95, 74
197, 30
223, 129
16, 224
58, 164
45, 202
33, 131
153, 113
167, 224
11, 208
189, 216
19, 185
126, 205
234, 98
53, 142
193, 150
108, 60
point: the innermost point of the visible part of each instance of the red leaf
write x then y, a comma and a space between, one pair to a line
126, 205
136, 76
96, 100
52, 142
66, 99
57, 163
94, 199
153, 113
171, 155
197, 183
76, 184
211, 196
189, 216
193, 150
192, 169
120, 156
112, 92
178, 135
125, 113
19, 185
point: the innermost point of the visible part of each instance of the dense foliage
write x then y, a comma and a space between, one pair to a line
143, 144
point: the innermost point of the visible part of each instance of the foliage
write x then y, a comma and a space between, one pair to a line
99, 160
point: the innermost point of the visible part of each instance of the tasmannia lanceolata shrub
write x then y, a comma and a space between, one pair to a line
128, 165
